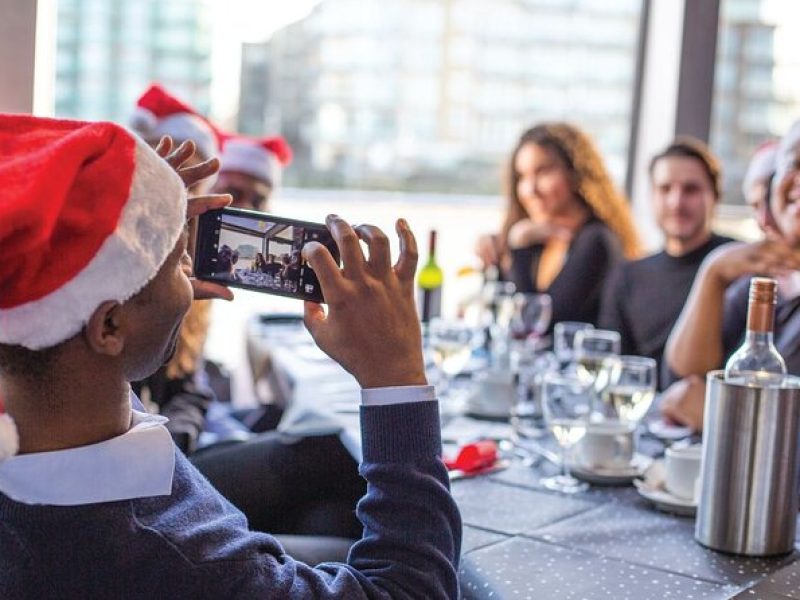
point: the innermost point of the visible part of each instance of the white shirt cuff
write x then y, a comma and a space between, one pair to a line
385, 396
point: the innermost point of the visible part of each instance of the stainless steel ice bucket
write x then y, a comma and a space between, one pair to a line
749, 494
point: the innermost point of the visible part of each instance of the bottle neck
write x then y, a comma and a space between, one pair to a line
761, 318
758, 338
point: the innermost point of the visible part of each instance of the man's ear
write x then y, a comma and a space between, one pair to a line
103, 332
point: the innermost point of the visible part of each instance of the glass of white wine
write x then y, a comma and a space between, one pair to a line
591, 348
451, 345
566, 403
564, 340
631, 387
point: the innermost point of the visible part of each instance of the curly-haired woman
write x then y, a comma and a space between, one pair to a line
566, 226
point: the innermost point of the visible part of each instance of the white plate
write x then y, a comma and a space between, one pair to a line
665, 501
639, 464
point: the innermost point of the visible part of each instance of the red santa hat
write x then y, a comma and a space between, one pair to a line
262, 158
158, 113
88, 213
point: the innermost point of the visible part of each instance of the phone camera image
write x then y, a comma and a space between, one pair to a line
258, 253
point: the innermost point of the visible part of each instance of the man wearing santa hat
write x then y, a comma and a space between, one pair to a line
250, 169
159, 113
95, 501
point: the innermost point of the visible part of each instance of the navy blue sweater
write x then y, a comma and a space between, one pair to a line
194, 544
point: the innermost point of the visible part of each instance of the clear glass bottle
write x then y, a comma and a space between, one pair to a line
757, 361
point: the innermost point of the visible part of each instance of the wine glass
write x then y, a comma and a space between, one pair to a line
631, 388
526, 412
451, 344
564, 339
566, 403
591, 348
532, 313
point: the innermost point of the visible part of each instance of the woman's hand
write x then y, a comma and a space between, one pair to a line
527, 233
770, 257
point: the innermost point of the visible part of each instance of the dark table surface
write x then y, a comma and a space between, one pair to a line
523, 541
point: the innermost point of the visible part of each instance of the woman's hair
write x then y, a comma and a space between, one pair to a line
589, 179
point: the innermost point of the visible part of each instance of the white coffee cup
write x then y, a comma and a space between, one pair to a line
607, 445
494, 393
682, 467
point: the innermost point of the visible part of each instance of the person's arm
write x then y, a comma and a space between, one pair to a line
695, 345
577, 289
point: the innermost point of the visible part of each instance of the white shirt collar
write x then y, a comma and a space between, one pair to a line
137, 464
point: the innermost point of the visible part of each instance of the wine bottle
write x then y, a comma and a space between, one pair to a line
430, 284
757, 361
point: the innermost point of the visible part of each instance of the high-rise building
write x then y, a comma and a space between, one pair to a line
747, 108
110, 50
432, 94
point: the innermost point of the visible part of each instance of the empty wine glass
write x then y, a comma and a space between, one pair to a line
631, 388
566, 403
564, 340
532, 313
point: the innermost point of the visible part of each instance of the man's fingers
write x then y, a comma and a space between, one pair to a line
197, 205
406, 266
206, 290
347, 240
164, 146
191, 175
380, 255
326, 269
181, 154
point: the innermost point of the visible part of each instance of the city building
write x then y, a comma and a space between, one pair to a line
432, 94
109, 51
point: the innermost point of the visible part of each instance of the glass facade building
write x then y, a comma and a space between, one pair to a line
109, 51
432, 94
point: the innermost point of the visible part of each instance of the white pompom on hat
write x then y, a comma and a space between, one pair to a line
262, 158
159, 113
88, 213
761, 166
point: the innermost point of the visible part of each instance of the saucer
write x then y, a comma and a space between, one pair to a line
651, 487
664, 501
665, 431
601, 476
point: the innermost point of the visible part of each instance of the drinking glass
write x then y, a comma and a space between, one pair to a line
564, 339
566, 403
631, 388
532, 313
591, 348
498, 300
526, 413
451, 344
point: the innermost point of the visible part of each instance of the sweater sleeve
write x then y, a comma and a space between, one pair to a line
412, 529
577, 290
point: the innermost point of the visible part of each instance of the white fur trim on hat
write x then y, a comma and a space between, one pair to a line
9, 438
761, 166
148, 229
251, 159
180, 127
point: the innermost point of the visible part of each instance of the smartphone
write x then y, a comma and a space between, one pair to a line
259, 251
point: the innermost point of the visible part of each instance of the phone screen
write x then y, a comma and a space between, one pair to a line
259, 251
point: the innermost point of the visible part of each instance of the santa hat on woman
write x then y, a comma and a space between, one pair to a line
262, 158
158, 113
88, 213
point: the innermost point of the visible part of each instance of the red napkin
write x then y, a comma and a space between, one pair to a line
474, 457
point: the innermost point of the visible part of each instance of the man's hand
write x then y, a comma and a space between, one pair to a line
196, 206
683, 402
371, 328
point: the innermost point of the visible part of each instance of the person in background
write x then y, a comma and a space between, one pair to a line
123, 514
712, 323
250, 170
566, 227
258, 263
757, 183
644, 297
